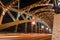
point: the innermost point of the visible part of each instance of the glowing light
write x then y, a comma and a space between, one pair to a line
6, 9
33, 18
59, 4
9, 6
58, 0
33, 23
3, 13
42, 26
47, 28
50, 30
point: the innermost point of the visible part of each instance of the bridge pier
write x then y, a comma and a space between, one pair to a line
56, 27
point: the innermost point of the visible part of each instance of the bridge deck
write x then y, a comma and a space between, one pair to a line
25, 36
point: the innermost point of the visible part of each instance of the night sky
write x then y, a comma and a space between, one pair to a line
23, 3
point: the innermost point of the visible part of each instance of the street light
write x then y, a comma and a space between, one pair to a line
47, 28
33, 23
42, 26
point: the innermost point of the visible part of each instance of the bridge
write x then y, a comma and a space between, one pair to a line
35, 18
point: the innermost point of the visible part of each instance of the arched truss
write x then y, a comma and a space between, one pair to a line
25, 10
41, 12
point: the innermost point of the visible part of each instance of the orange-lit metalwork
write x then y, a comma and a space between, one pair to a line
41, 15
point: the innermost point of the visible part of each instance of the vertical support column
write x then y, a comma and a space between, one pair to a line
36, 28
16, 28
31, 28
18, 5
18, 15
2, 15
56, 27
1, 19
39, 25
25, 27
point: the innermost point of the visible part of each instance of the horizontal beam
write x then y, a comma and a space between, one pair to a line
3, 26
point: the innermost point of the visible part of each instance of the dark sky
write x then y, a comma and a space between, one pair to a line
23, 3
5, 2
29, 2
